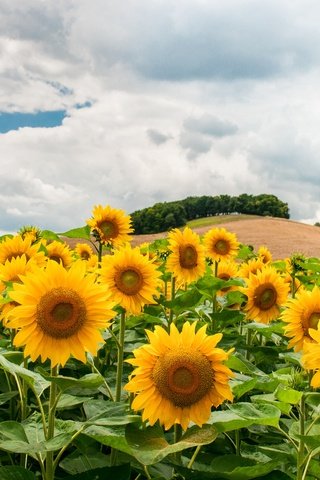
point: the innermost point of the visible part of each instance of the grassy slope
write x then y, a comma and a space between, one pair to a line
205, 221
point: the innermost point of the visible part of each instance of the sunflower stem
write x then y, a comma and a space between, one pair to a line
99, 252
194, 456
120, 356
51, 420
173, 294
120, 345
301, 451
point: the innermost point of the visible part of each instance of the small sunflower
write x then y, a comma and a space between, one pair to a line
311, 356
59, 252
186, 260
60, 313
266, 292
264, 254
251, 266
179, 376
300, 314
83, 251
227, 270
17, 246
220, 244
130, 277
110, 225
11, 270
30, 231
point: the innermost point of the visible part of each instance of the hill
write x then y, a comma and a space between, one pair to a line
283, 237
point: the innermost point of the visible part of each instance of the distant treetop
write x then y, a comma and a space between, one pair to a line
164, 216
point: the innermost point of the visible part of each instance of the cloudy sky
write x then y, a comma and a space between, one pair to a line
134, 102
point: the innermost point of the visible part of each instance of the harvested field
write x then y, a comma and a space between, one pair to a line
282, 237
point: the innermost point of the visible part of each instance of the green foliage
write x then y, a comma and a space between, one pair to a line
164, 216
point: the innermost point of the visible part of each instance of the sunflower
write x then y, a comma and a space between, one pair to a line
17, 246
60, 313
30, 231
266, 292
11, 270
227, 270
59, 252
264, 254
251, 266
130, 277
179, 376
301, 313
186, 260
220, 244
110, 225
311, 356
83, 251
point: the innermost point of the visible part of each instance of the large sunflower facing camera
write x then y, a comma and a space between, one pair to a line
60, 313
179, 376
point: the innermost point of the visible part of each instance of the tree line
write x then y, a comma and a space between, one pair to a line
163, 216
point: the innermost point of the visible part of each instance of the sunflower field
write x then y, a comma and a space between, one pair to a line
190, 358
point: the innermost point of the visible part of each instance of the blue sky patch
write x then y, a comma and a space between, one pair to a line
14, 121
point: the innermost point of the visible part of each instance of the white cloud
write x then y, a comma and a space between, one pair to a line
199, 98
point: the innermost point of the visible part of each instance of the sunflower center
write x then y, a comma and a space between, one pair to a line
85, 255
314, 320
265, 296
183, 377
129, 281
222, 247
61, 313
56, 258
109, 229
188, 256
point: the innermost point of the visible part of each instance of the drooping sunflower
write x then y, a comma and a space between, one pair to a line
59, 252
60, 313
110, 225
17, 246
220, 244
311, 356
300, 314
179, 376
83, 251
187, 259
266, 292
130, 277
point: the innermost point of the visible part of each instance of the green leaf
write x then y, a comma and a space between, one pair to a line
67, 401
287, 394
16, 473
226, 421
242, 385
270, 398
91, 381
259, 414
78, 462
121, 472
230, 467
149, 445
33, 379
240, 364
5, 397
101, 412
81, 232
185, 300
49, 235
